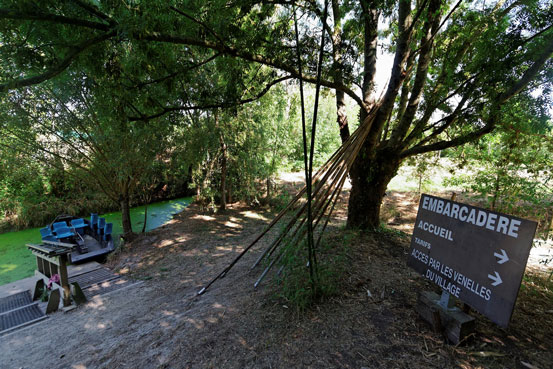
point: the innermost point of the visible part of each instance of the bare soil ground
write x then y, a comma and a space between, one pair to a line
369, 323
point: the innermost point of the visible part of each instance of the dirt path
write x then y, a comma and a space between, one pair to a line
370, 323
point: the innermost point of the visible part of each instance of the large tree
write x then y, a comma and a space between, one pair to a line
81, 130
455, 64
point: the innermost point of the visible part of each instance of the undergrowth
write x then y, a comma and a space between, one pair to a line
294, 285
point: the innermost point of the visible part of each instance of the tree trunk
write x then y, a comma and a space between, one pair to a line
337, 72
548, 223
369, 179
496, 190
126, 217
223, 204
370, 27
229, 192
145, 218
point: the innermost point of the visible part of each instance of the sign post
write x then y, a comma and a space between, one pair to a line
473, 254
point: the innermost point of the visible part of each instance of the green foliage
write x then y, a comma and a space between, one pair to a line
423, 169
260, 138
281, 200
384, 229
511, 169
44, 295
27, 196
82, 152
294, 284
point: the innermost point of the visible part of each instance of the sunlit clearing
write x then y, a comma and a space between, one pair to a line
292, 177
97, 326
252, 215
96, 303
196, 324
233, 223
203, 217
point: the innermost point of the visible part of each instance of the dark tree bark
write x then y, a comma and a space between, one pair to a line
337, 68
370, 178
223, 204
124, 204
224, 154
370, 23
375, 165
145, 218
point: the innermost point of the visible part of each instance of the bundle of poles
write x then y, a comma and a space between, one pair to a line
327, 184
301, 221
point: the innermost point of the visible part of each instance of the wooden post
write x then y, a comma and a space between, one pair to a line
455, 324
64, 280
53, 301
78, 294
39, 288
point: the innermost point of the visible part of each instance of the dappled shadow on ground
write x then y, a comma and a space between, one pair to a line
370, 322
200, 237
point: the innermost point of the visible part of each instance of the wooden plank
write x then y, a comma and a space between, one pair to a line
40, 264
454, 323
40, 248
46, 259
50, 250
61, 244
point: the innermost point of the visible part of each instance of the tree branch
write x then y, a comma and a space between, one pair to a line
195, 20
166, 110
245, 55
442, 145
530, 74
171, 75
429, 28
398, 74
57, 69
92, 9
54, 18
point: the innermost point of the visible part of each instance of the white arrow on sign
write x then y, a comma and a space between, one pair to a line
502, 257
496, 278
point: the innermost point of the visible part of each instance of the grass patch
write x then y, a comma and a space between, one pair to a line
294, 284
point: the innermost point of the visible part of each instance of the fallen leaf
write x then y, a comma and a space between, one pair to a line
528, 365
486, 354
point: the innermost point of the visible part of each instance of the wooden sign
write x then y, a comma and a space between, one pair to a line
474, 254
